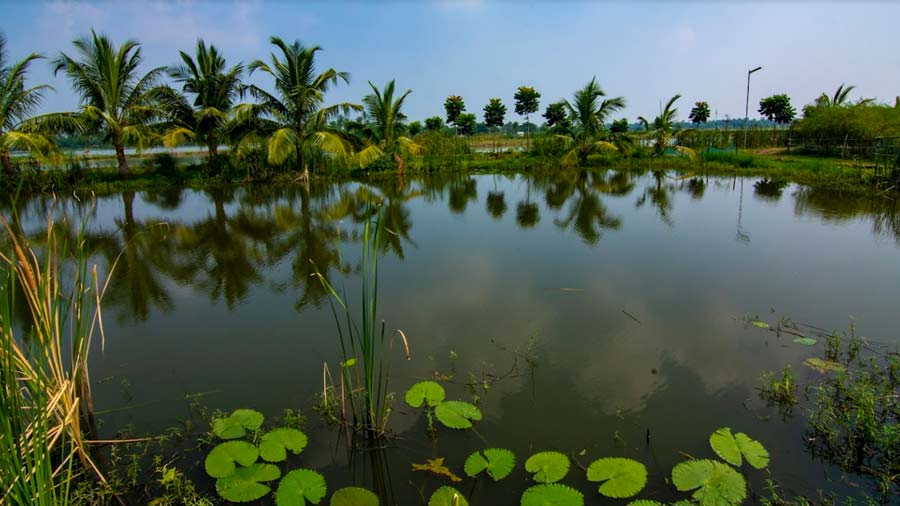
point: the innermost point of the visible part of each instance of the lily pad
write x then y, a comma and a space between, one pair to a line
645, 502
447, 496
714, 483
299, 487
623, 477
725, 446
552, 494
245, 484
274, 444
354, 496
498, 462
457, 414
548, 467
429, 392
823, 365
753, 451
806, 341
221, 460
237, 423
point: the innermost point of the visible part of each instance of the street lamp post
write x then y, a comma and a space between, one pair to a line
747, 105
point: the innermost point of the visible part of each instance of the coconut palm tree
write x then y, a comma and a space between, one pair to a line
665, 129
214, 87
588, 115
839, 98
114, 97
293, 120
17, 103
385, 117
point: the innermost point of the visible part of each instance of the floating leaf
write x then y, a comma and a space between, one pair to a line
354, 496
425, 391
646, 502
237, 423
553, 494
824, 366
447, 496
547, 467
274, 444
762, 325
220, 461
806, 341
753, 451
714, 482
623, 477
299, 486
725, 446
497, 461
245, 484
457, 414
437, 467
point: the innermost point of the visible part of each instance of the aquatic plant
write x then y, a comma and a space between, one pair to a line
781, 390
498, 462
548, 467
237, 424
274, 445
620, 477
713, 483
457, 414
299, 487
731, 448
552, 494
246, 484
223, 459
436, 466
429, 392
354, 496
447, 496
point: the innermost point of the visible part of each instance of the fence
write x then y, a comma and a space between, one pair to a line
854, 149
887, 159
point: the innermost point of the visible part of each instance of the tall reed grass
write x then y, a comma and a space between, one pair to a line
45, 393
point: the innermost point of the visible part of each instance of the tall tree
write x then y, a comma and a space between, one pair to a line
294, 119
699, 113
434, 124
665, 130
113, 95
840, 97
588, 114
527, 103
465, 123
454, 106
215, 87
777, 108
494, 114
557, 116
17, 103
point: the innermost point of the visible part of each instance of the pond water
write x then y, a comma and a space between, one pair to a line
598, 306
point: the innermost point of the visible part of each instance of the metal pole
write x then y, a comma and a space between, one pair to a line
747, 106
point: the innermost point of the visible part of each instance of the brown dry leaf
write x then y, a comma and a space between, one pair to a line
437, 467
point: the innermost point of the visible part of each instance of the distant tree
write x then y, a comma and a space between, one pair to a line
383, 132
589, 115
494, 113
557, 117
527, 102
434, 123
619, 126
777, 108
414, 128
840, 97
700, 113
465, 124
454, 106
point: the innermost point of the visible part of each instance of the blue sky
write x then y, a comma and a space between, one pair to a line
645, 51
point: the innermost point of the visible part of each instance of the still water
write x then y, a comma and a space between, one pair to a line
585, 311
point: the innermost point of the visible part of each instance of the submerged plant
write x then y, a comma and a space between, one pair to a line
436, 466
782, 391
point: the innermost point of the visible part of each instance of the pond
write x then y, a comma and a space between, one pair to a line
598, 313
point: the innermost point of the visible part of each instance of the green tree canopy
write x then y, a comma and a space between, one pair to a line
699, 113
619, 126
466, 123
454, 106
557, 116
589, 114
494, 113
434, 123
777, 108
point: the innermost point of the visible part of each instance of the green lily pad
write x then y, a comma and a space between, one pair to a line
221, 460
299, 486
552, 494
762, 325
447, 496
714, 483
725, 446
354, 496
823, 365
753, 451
274, 444
245, 484
422, 392
457, 414
623, 477
548, 467
237, 424
806, 341
497, 461
646, 502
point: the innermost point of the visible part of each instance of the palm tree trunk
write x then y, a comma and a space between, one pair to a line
128, 205
123, 162
212, 155
8, 168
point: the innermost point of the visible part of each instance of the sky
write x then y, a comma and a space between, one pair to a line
644, 51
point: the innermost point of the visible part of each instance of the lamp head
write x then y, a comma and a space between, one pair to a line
754, 70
